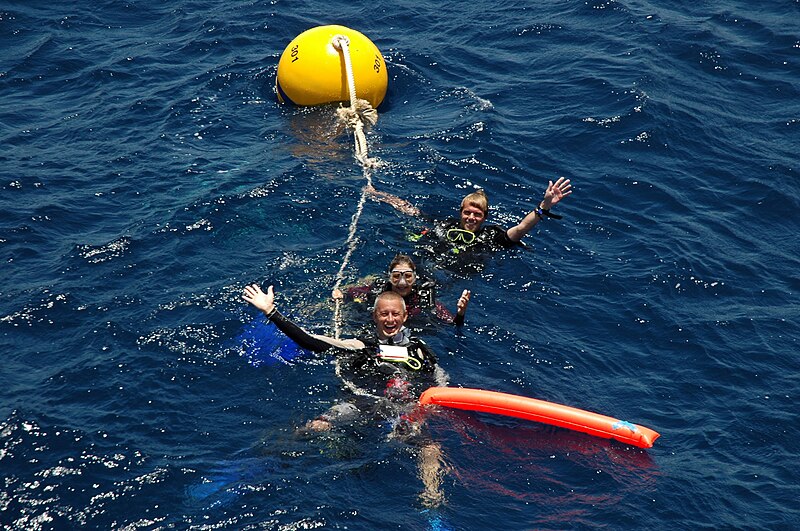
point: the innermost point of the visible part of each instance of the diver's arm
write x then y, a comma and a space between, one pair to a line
355, 292
443, 313
347, 344
461, 306
397, 202
312, 342
555, 192
461, 309
517, 232
315, 343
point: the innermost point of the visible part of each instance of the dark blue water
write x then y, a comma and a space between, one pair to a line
147, 173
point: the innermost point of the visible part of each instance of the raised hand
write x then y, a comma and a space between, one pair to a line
556, 192
463, 302
263, 301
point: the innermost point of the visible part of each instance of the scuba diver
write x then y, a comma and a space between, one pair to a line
468, 235
419, 293
388, 363
388, 370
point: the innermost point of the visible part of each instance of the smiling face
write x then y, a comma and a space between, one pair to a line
389, 314
402, 274
402, 277
471, 218
474, 209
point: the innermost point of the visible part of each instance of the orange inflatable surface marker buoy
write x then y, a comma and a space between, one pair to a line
540, 411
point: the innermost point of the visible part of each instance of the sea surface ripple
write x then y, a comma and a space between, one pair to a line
147, 173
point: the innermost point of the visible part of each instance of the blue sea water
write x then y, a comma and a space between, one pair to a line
147, 174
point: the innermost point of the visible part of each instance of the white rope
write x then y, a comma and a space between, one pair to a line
342, 43
360, 111
351, 246
354, 117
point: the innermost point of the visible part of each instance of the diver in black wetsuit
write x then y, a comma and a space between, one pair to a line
389, 363
419, 293
467, 234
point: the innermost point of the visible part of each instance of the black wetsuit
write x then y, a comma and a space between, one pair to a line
374, 368
487, 238
453, 252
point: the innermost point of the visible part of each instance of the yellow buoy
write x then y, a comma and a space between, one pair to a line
312, 71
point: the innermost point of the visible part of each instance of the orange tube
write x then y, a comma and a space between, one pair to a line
540, 411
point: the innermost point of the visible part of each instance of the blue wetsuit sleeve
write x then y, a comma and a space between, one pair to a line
297, 334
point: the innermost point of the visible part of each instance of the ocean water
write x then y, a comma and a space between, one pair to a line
147, 174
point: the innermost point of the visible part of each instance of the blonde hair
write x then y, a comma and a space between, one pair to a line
477, 199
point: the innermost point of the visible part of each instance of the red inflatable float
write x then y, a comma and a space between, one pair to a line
540, 411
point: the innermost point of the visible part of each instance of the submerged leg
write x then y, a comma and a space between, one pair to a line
338, 413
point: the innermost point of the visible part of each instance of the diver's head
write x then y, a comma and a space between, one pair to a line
402, 274
389, 314
474, 210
